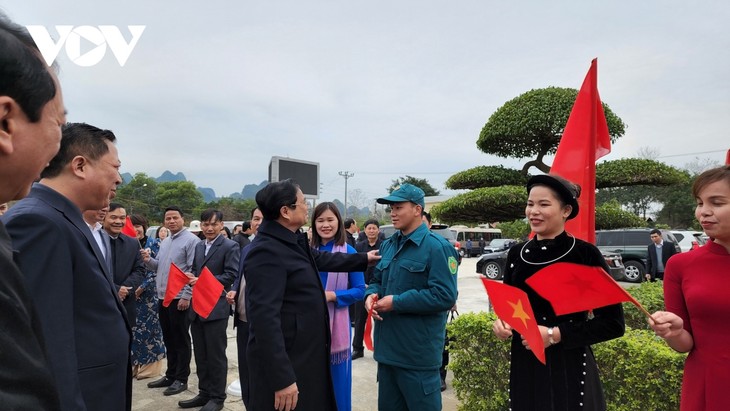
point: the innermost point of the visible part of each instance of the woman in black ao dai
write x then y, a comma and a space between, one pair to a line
569, 380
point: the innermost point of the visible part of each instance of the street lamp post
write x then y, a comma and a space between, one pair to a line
134, 193
346, 175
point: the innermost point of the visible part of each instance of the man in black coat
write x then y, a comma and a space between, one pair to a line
87, 336
372, 242
242, 237
220, 256
659, 253
125, 260
29, 98
289, 342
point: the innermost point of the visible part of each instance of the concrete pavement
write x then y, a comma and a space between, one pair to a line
472, 298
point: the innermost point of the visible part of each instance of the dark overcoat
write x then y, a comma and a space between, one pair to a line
288, 320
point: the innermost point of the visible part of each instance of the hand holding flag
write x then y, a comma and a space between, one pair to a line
176, 280
513, 307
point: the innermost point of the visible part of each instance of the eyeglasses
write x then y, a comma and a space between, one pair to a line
303, 204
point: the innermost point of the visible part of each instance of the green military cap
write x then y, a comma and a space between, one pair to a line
406, 192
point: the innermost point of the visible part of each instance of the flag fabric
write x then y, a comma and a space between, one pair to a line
368, 335
129, 228
573, 288
727, 158
513, 307
176, 280
585, 140
206, 293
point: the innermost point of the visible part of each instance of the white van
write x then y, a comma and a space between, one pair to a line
473, 239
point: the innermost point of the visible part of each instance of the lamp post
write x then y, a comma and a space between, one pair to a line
134, 193
346, 175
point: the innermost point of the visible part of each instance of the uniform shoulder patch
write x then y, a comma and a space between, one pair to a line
453, 265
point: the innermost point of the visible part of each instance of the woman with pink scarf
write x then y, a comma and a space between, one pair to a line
341, 290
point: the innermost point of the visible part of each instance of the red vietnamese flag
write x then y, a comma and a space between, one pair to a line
513, 307
176, 280
129, 228
573, 288
206, 293
585, 140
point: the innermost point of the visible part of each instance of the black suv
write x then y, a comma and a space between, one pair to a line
632, 244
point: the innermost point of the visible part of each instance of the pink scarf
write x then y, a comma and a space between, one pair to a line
339, 316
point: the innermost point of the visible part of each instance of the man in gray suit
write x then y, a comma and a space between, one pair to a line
84, 323
220, 255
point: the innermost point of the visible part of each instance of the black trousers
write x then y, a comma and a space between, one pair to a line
175, 326
242, 344
209, 346
361, 317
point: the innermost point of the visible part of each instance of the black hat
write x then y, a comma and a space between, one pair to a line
567, 191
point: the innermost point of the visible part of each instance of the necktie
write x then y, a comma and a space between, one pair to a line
113, 246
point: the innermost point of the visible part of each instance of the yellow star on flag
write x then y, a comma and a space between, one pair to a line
519, 312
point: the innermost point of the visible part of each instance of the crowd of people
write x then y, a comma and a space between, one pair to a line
84, 308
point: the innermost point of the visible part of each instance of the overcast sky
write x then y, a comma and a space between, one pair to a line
383, 88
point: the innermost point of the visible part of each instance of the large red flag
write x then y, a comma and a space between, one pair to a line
573, 288
206, 293
513, 307
727, 158
176, 280
129, 228
585, 140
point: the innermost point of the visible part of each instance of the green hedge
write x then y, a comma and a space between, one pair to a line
639, 371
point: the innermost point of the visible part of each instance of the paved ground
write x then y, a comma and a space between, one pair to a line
472, 298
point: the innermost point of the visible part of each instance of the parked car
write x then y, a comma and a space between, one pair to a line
632, 244
688, 239
492, 265
499, 244
615, 265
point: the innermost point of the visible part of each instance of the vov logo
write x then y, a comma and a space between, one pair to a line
100, 37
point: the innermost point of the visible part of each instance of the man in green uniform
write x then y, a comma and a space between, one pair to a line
415, 286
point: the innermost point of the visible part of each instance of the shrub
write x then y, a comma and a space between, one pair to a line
480, 363
639, 371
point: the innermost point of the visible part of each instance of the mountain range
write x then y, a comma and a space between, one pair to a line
247, 192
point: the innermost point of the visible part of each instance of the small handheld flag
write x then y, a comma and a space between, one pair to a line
513, 307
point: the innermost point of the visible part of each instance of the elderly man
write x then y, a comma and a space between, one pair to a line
84, 323
289, 342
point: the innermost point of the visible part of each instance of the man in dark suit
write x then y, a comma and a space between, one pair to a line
30, 97
659, 253
289, 342
125, 260
242, 237
84, 323
220, 256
